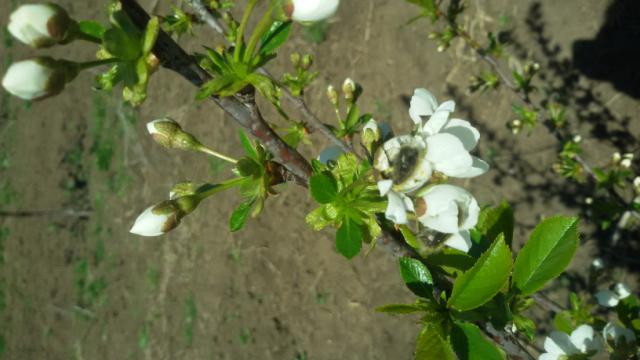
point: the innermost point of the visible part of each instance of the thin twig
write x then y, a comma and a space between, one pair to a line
206, 16
83, 214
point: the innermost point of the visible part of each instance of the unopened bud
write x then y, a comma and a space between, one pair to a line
332, 94
310, 10
628, 156
616, 157
577, 139
38, 78
349, 89
433, 35
186, 188
168, 133
598, 264
636, 183
164, 217
371, 134
588, 200
625, 163
42, 25
307, 61
295, 59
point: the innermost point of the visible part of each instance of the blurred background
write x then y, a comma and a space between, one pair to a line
76, 170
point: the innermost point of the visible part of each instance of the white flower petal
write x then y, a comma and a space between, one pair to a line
478, 167
559, 343
396, 210
473, 212
314, 10
330, 153
28, 23
384, 186
149, 224
423, 103
622, 290
436, 122
618, 334
460, 241
448, 106
448, 155
607, 298
583, 339
547, 356
463, 130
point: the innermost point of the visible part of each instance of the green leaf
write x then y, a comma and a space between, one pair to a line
349, 238
430, 345
352, 118
248, 147
318, 219
416, 276
323, 187
495, 220
121, 45
470, 344
150, 35
450, 260
240, 215
409, 237
275, 37
92, 29
400, 308
483, 281
546, 254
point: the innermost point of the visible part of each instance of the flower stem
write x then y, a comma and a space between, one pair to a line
206, 150
90, 64
243, 24
86, 37
261, 28
216, 188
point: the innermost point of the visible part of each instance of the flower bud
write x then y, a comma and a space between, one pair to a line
371, 134
577, 139
295, 59
332, 94
349, 89
616, 157
168, 133
636, 183
163, 217
311, 10
307, 60
42, 25
181, 189
625, 163
38, 78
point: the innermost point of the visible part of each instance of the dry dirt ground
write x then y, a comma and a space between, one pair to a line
77, 288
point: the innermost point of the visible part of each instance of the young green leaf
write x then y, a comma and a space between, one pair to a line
248, 147
239, 216
150, 35
121, 45
275, 37
546, 254
483, 281
91, 28
470, 344
416, 276
349, 238
323, 187
450, 260
430, 345
400, 308
495, 220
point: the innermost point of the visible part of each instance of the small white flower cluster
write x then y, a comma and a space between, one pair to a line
584, 342
437, 148
624, 160
608, 298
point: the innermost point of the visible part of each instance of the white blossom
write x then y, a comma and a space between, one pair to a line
35, 79
398, 204
312, 10
403, 159
617, 334
40, 25
451, 210
598, 264
560, 345
610, 298
449, 141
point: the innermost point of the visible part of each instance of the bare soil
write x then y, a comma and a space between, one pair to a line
81, 288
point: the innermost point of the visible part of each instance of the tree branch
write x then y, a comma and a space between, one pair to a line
245, 113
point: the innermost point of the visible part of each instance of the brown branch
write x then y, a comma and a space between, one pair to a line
245, 113
83, 214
